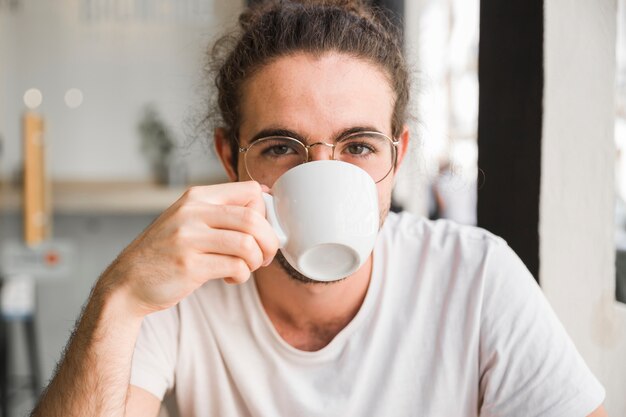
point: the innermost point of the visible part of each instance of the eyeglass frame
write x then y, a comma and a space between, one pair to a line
330, 145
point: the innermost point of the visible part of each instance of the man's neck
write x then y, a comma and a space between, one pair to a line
309, 316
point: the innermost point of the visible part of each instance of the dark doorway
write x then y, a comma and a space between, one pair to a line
510, 123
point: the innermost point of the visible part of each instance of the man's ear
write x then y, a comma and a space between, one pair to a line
224, 151
403, 146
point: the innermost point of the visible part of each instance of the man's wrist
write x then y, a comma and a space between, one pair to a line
116, 303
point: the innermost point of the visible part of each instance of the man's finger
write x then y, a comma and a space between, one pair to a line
245, 220
230, 242
247, 194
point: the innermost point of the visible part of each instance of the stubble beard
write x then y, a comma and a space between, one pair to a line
294, 274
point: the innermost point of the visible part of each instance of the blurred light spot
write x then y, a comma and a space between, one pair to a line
33, 98
73, 98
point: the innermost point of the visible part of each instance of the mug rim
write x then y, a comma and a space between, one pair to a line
314, 164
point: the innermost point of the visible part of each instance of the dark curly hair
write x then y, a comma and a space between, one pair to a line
272, 29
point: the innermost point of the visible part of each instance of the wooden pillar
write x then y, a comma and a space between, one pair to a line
36, 223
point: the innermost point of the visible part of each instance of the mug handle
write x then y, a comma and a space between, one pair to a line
270, 215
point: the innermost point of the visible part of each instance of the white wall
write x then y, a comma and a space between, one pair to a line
412, 182
120, 65
577, 186
7, 56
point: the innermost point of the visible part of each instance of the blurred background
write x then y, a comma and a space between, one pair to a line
519, 127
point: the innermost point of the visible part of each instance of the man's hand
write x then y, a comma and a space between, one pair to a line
211, 232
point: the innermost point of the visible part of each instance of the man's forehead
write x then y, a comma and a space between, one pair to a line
329, 93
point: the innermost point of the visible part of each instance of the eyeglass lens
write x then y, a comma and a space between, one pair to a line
268, 158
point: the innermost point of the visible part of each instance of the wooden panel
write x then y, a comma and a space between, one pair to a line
36, 210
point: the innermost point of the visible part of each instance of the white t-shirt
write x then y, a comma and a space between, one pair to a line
453, 324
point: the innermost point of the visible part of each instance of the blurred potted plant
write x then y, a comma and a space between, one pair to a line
157, 144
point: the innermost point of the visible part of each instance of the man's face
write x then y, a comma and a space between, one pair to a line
318, 98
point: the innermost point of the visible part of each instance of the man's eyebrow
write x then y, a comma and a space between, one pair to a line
356, 129
279, 131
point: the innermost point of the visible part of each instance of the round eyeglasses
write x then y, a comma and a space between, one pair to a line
268, 158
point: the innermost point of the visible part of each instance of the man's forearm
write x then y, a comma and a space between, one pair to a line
93, 377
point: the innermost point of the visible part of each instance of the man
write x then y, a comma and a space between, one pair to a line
441, 320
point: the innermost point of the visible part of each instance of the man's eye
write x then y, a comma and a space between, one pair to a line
359, 149
278, 150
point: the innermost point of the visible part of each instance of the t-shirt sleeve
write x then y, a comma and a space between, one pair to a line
156, 350
528, 364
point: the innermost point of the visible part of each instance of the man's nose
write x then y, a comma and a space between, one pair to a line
320, 151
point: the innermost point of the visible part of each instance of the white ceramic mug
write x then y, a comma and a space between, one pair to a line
326, 216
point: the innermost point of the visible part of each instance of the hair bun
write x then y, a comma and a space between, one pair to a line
252, 13
259, 7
